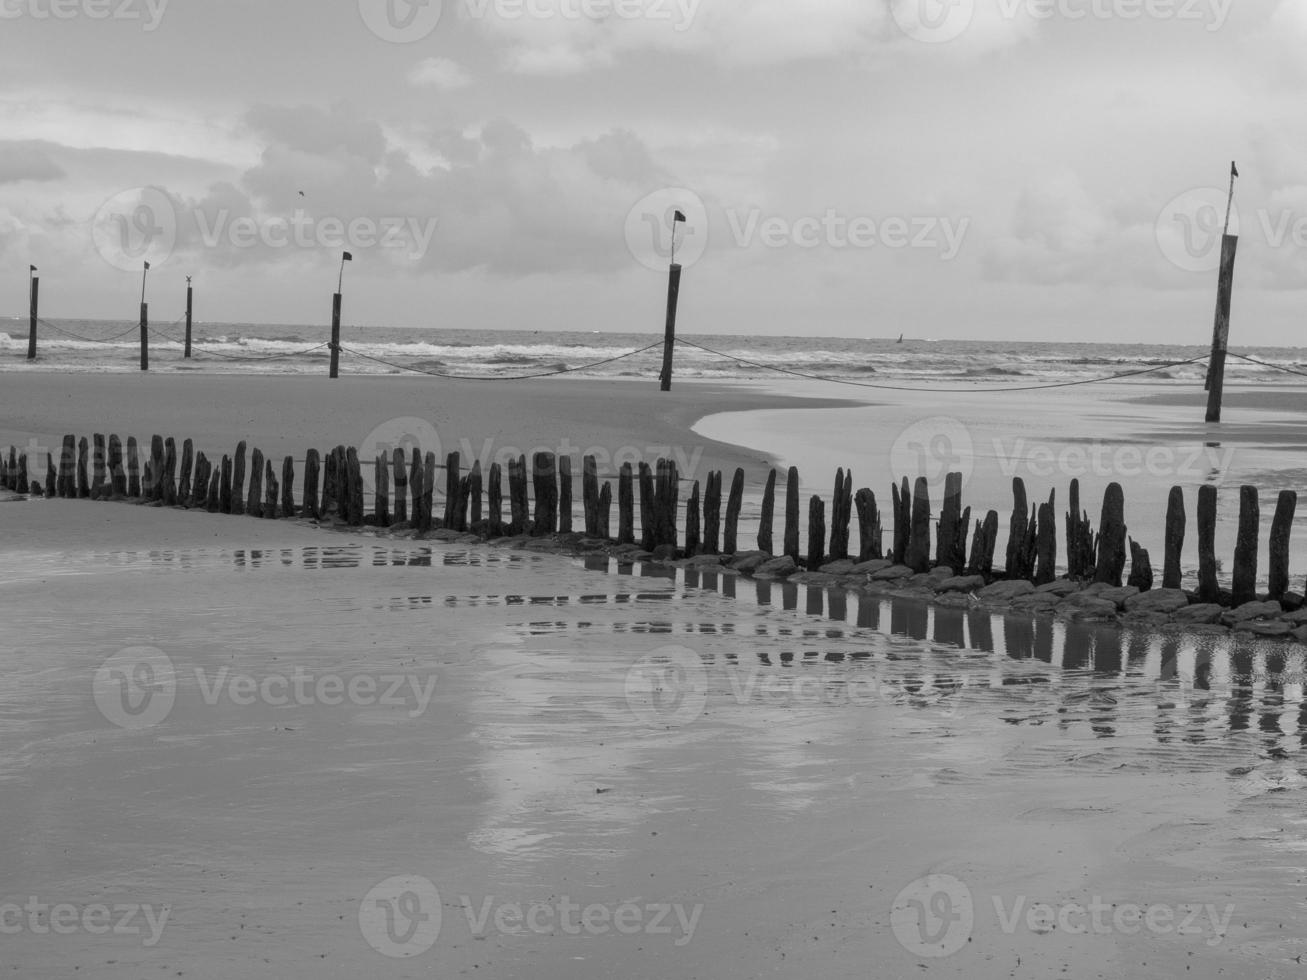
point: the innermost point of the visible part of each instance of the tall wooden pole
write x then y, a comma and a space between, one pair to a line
335, 336
145, 336
669, 338
1224, 292
189, 297
31, 330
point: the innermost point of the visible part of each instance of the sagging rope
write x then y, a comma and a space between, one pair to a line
1266, 364
101, 340
886, 387
515, 377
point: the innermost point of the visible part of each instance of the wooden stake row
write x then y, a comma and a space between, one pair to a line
403, 490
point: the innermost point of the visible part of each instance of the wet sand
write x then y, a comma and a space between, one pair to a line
780, 813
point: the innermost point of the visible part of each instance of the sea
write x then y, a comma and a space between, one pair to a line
246, 348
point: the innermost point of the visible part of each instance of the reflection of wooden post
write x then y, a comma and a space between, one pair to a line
335, 335
31, 331
1221, 337
669, 339
145, 339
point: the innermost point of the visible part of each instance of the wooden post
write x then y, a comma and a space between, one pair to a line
1141, 567
816, 532
168, 492
1046, 570
625, 505
1208, 589
791, 546
117, 474
254, 507
145, 336
605, 509
400, 471
51, 477
335, 336
1243, 587
154, 486
133, 468
200, 481
590, 495
768, 509
189, 297
99, 471
733, 505
648, 540
31, 329
473, 494
270, 491
24, 483
83, 474
428, 490
949, 550
1112, 537
288, 487
869, 529
67, 486
1281, 526
516, 513
902, 498
415, 487
1220, 341
381, 490
692, 539
564, 494
312, 462
669, 338
545, 481
214, 502
184, 475
1175, 524
238, 479
1016, 566
495, 490
453, 472
918, 558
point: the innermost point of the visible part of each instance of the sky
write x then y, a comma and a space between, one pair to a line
972, 169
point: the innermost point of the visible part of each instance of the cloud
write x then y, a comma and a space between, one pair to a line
439, 73
27, 160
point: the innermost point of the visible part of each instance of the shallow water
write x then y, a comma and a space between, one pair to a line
784, 759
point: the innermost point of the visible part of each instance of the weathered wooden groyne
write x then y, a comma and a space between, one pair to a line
953, 555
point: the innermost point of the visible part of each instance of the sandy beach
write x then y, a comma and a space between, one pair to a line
351, 753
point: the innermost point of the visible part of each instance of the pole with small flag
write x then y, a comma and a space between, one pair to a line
145, 323
1224, 293
335, 316
189, 297
673, 295
33, 292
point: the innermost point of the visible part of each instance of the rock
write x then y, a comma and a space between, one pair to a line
1119, 595
961, 583
704, 561
872, 566
782, 567
1034, 601
953, 600
1062, 587
814, 578
923, 580
841, 567
1198, 614
942, 572
1157, 601
1264, 627
892, 573
665, 552
749, 563
1300, 634
1252, 610
1089, 609
1005, 591
1296, 618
